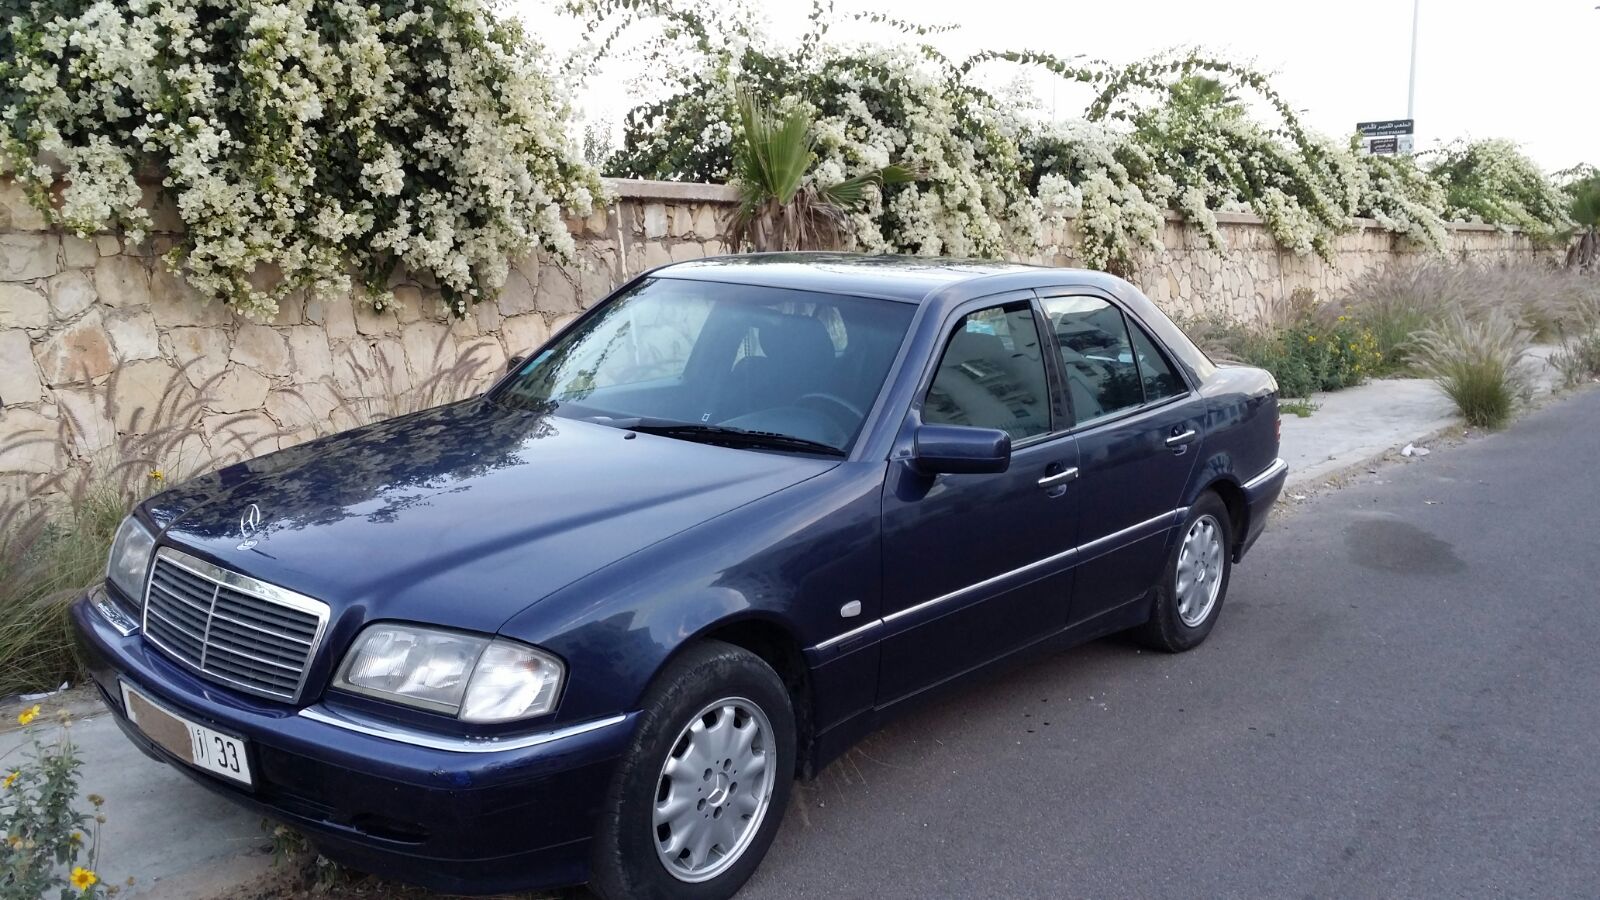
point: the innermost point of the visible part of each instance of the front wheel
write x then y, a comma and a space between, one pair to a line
1188, 599
699, 795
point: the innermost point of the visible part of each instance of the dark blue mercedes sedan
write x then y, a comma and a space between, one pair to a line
591, 625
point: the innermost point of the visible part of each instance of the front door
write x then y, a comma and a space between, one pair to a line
978, 565
1139, 429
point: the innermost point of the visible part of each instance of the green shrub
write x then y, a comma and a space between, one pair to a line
1305, 356
1478, 365
42, 834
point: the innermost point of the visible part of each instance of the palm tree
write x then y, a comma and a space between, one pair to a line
778, 209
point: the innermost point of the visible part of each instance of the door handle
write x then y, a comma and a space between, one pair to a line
1062, 477
1178, 440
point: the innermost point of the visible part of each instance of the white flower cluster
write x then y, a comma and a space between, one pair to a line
302, 141
999, 182
1492, 181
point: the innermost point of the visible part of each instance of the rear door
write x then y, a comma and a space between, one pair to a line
978, 565
1138, 425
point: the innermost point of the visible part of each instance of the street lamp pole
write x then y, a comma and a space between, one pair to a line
1411, 91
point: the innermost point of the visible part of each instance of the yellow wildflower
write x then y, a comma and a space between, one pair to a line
82, 878
76, 839
157, 475
12, 778
1311, 339
28, 715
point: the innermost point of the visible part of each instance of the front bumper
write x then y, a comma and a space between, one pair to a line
447, 819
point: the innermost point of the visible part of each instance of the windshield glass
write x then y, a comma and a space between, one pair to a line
757, 359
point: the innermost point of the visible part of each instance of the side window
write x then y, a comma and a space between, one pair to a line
1096, 356
992, 375
1160, 379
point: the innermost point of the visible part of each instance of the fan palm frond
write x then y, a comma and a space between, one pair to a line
777, 209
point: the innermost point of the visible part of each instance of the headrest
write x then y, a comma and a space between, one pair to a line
968, 345
792, 340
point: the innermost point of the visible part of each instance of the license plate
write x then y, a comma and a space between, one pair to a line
201, 747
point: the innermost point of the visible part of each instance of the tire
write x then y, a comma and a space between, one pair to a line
712, 685
1180, 618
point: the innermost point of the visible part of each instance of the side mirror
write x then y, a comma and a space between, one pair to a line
960, 450
513, 362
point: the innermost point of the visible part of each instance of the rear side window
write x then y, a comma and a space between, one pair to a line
1096, 356
992, 375
1160, 378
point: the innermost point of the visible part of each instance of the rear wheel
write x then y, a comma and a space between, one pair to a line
697, 799
1188, 599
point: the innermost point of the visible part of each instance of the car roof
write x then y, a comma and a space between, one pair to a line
906, 278
921, 279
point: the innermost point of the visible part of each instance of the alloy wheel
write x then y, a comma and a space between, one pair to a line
714, 789
1201, 565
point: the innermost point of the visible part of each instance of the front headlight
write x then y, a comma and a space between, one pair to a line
130, 558
473, 677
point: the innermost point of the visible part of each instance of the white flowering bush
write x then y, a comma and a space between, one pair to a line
1401, 197
1492, 181
871, 106
303, 142
1165, 133
1107, 183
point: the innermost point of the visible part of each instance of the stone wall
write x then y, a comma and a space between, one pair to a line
1253, 274
110, 366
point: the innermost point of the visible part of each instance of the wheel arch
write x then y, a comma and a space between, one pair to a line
1232, 494
774, 643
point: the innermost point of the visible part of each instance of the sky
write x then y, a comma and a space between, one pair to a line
1522, 70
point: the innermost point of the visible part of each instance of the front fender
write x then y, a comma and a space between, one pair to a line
792, 559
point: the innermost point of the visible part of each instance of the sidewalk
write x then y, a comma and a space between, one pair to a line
1358, 425
181, 842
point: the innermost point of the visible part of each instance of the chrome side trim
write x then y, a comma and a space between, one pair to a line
1168, 517
862, 629
401, 735
246, 585
1100, 543
1271, 472
112, 613
960, 592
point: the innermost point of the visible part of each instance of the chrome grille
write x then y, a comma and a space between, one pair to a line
246, 633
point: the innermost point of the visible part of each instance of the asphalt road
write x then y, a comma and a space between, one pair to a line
1402, 699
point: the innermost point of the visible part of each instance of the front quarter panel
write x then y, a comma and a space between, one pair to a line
791, 559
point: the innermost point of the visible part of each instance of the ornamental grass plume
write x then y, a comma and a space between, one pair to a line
1479, 365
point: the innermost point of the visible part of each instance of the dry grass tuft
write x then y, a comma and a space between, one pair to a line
1479, 365
1399, 301
1578, 360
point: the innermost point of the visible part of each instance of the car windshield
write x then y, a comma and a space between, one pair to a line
725, 363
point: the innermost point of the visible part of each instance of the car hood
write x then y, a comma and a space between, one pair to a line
462, 515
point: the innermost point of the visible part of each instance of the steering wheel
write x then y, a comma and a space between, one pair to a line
853, 416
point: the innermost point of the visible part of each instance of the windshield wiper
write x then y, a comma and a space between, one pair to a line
722, 434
